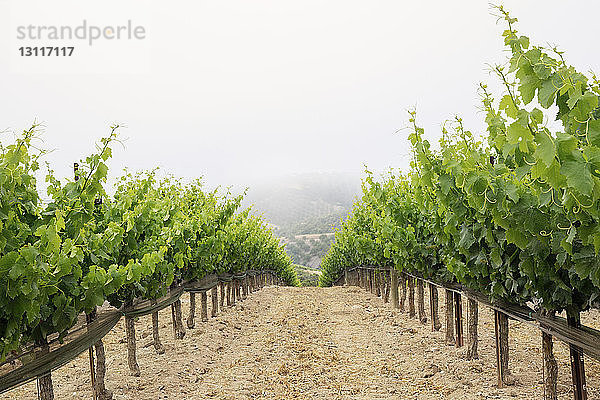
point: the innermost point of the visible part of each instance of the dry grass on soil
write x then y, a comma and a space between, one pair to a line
316, 343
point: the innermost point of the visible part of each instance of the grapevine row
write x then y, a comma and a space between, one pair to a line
67, 256
512, 213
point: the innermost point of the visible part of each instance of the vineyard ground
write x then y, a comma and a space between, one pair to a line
316, 343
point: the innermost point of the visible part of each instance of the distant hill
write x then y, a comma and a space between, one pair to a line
292, 200
304, 210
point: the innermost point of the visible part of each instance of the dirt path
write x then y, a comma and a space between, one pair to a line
315, 343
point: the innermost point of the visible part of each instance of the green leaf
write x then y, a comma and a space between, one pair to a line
496, 258
466, 238
508, 106
519, 134
571, 235
517, 237
537, 116
524, 42
18, 269
578, 176
29, 253
574, 96
596, 237
593, 132
107, 154
545, 150
565, 145
542, 71
592, 154
8, 260
585, 105
548, 91
445, 183
512, 192
498, 289
529, 83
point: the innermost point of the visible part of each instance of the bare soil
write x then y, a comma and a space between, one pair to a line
317, 343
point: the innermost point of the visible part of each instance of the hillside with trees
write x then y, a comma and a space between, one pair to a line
305, 209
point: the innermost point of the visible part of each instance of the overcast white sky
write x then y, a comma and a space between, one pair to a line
237, 90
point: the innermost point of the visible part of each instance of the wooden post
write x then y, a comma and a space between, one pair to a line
385, 287
134, 368
498, 356
449, 297
501, 331
411, 297
178, 320
191, 317
88, 319
433, 308
204, 309
458, 319
158, 346
233, 284
173, 320
394, 288
365, 279
403, 287
100, 389
577, 366
346, 283
421, 301
472, 321
215, 302
361, 278
44, 383
222, 290
97, 369
373, 281
229, 293
550, 365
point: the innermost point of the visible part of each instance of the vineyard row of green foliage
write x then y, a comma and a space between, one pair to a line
513, 214
81, 248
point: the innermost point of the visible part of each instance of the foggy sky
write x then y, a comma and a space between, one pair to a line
241, 90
